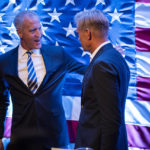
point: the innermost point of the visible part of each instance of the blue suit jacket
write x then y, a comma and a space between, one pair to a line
43, 111
105, 85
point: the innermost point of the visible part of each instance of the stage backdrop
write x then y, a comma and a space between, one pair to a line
129, 31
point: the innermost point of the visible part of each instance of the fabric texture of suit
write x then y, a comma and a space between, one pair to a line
105, 85
43, 111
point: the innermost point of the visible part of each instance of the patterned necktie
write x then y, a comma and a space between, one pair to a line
32, 79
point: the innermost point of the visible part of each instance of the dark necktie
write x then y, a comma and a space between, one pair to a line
32, 78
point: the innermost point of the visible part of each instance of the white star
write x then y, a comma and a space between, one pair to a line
12, 30
44, 33
34, 8
69, 1
56, 44
43, 29
70, 30
115, 16
41, 1
84, 52
55, 15
1, 14
12, 2
100, 1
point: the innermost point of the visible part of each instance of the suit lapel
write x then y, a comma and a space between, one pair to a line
48, 67
13, 58
14, 65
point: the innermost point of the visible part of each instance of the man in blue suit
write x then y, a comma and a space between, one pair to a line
37, 108
104, 90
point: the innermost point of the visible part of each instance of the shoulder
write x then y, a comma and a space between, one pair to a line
51, 49
6, 56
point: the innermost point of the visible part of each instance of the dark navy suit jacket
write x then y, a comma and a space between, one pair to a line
43, 111
105, 85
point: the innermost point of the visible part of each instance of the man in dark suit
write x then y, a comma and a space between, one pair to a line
34, 74
104, 90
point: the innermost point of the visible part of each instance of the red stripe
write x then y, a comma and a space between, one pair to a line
142, 39
138, 136
143, 88
7, 131
143, 1
72, 128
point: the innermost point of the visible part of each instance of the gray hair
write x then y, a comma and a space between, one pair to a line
93, 18
19, 19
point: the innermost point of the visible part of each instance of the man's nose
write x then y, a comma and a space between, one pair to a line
39, 33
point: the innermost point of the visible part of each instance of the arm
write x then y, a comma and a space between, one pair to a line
106, 88
74, 64
4, 102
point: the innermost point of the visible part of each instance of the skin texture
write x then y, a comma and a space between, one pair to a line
30, 33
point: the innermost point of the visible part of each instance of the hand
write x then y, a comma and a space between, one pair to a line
1, 145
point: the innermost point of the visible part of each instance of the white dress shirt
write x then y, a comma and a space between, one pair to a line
37, 62
97, 49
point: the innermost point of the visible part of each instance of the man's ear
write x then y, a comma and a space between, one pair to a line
19, 33
89, 34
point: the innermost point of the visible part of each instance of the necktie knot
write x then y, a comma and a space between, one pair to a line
29, 53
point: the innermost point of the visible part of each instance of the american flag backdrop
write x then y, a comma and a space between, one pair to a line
129, 32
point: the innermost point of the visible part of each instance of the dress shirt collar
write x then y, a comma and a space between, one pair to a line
22, 51
97, 49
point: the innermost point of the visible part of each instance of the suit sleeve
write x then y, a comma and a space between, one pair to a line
4, 102
74, 64
106, 86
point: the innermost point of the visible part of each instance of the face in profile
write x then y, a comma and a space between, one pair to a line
83, 39
31, 33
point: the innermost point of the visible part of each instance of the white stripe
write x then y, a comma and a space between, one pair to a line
31, 70
137, 112
142, 11
72, 107
30, 63
143, 64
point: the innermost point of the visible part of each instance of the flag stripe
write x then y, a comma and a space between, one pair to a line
7, 130
142, 15
137, 108
143, 88
143, 1
143, 63
142, 39
72, 107
135, 148
72, 128
137, 112
138, 136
